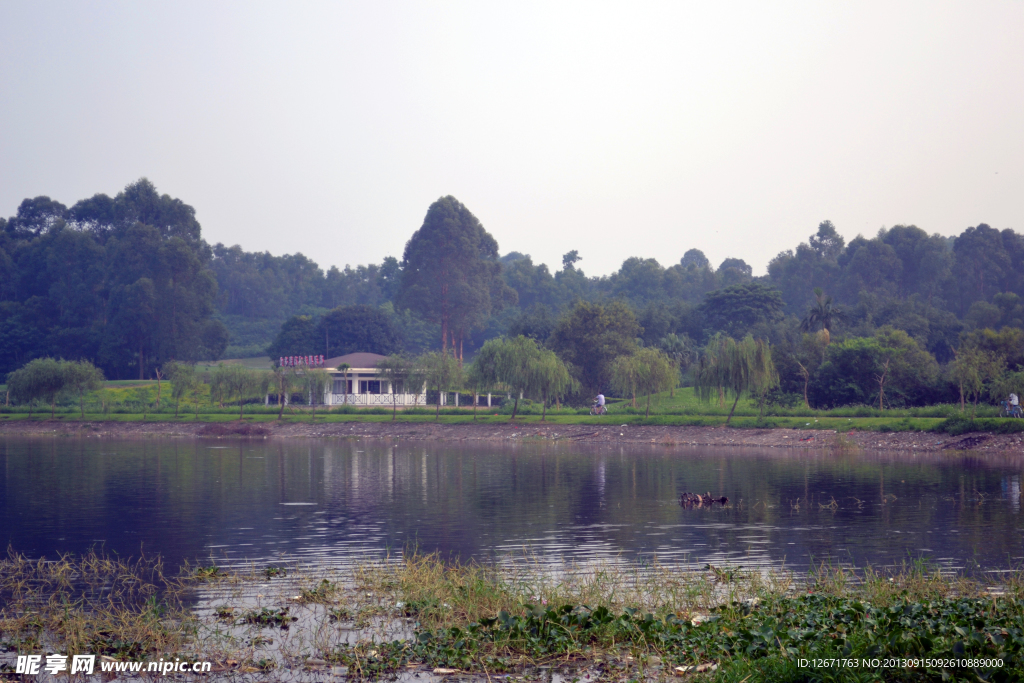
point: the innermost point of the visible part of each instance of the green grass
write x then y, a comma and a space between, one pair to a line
123, 401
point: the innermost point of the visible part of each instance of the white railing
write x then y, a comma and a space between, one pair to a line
378, 399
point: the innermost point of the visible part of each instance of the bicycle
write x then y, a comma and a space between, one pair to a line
1007, 410
598, 410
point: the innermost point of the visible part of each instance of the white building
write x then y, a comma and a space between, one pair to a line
361, 384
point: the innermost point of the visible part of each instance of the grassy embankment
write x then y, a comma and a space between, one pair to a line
612, 622
135, 401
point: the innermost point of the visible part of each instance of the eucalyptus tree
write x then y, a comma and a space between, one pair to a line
451, 275
735, 367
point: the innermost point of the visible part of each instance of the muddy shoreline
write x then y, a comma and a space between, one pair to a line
526, 432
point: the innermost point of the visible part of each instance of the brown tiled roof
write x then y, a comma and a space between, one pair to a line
356, 360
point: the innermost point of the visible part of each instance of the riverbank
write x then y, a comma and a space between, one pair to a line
503, 430
423, 617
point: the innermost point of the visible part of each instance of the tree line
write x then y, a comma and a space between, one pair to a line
129, 284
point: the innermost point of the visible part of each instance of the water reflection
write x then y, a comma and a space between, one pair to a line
340, 501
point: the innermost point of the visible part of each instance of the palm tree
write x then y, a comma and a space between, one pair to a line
823, 313
344, 367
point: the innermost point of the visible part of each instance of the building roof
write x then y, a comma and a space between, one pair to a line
360, 360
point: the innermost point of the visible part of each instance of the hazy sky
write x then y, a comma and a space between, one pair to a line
629, 129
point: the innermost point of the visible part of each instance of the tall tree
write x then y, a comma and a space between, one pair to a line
451, 274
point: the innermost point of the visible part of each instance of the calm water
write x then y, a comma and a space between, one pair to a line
338, 501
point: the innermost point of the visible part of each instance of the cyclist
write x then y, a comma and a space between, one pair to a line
599, 404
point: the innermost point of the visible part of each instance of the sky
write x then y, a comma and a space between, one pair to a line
616, 129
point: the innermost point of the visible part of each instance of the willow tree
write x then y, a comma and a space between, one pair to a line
735, 367
646, 371
314, 384
549, 377
442, 372
510, 362
481, 375
239, 381
624, 376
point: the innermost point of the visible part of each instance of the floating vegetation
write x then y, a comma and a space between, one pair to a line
616, 621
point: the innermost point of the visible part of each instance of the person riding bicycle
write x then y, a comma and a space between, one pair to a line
1014, 401
599, 403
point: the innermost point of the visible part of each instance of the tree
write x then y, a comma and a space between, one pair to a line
736, 309
512, 363
442, 373
736, 367
184, 381
972, 368
282, 379
550, 377
314, 384
298, 336
855, 371
680, 349
480, 375
647, 371
239, 381
344, 367
822, 313
395, 370
40, 379
80, 377
451, 274
591, 336
350, 329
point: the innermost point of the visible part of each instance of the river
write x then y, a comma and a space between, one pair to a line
339, 501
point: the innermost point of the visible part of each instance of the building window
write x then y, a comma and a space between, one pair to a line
369, 386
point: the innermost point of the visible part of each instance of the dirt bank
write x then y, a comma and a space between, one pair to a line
580, 433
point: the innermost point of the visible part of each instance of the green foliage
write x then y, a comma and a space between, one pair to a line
442, 373
730, 367
645, 372
737, 309
854, 370
591, 336
451, 273
743, 635
237, 382
45, 379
